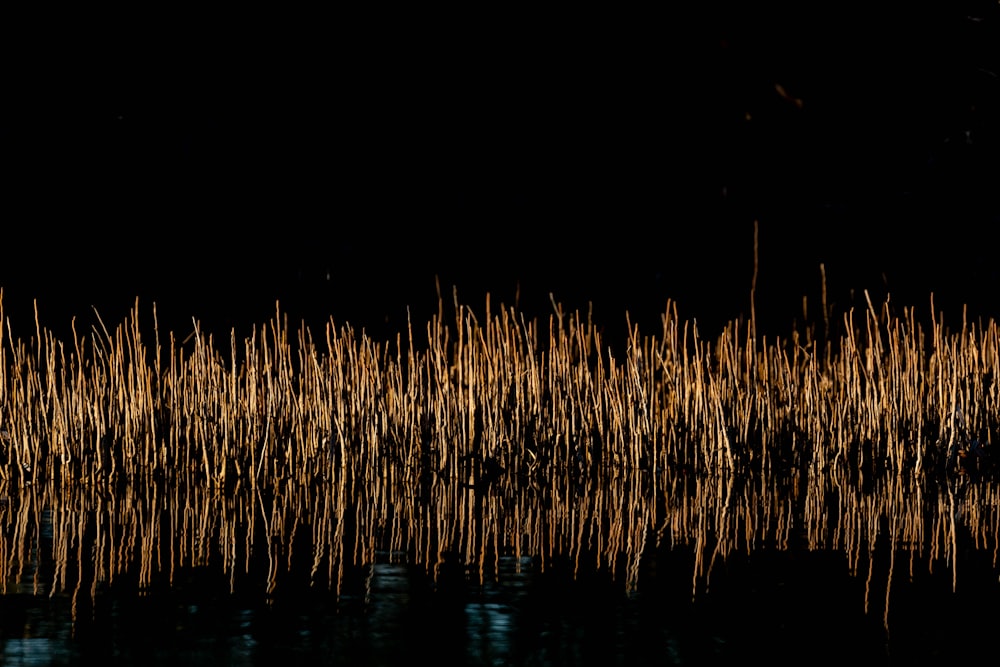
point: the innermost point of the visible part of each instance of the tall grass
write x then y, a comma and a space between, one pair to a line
482, 434
490, 394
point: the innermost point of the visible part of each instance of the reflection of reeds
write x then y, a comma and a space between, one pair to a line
487, 434
81, 539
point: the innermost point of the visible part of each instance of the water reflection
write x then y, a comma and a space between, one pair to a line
564, 573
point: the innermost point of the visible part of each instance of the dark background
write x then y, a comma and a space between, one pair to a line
342, 164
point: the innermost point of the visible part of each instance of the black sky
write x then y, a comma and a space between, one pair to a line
340, 165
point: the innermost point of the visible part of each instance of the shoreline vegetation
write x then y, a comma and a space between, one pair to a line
479, 439
474, 397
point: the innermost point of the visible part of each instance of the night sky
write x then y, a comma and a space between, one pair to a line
341, 165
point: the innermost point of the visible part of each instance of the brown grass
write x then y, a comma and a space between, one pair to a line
477, 395
481, 435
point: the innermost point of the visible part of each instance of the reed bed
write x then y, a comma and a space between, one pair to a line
493, 398
489, 438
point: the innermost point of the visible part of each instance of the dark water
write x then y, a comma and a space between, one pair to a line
394, 613
779, 608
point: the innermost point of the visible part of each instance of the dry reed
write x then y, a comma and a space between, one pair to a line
473, 398
487, 434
